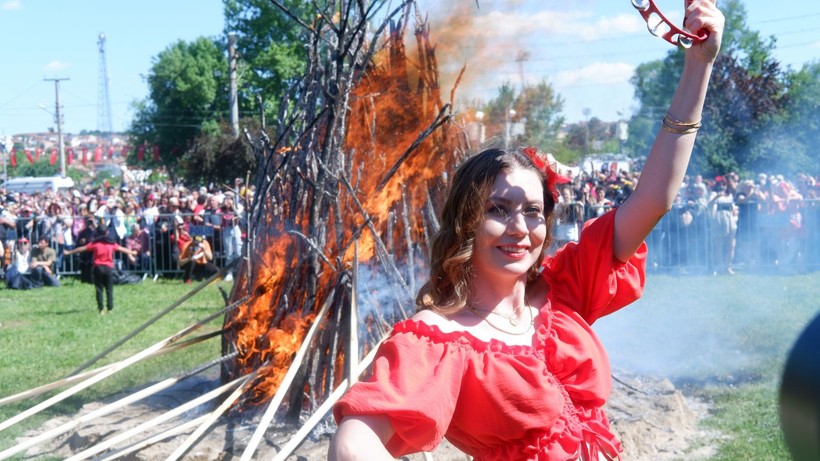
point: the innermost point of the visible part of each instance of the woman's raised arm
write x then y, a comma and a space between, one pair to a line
668, 159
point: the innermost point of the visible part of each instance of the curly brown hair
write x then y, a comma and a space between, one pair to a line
451, 270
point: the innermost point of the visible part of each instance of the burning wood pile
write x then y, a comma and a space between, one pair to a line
344, 207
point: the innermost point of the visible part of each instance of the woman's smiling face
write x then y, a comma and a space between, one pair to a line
510, 238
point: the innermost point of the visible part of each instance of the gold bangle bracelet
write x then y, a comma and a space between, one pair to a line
677, 130
673, 122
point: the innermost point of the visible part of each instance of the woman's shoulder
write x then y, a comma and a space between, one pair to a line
432, 318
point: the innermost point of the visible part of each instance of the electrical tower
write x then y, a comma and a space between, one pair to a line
103, 97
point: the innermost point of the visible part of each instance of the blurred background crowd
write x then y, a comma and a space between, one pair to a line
717, 225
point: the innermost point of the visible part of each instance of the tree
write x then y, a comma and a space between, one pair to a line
271, 47
740, 110
746, 95
185, 93
537, 107
541, 107
800, 123
217, 157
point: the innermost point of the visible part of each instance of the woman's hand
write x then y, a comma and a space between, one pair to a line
703, 15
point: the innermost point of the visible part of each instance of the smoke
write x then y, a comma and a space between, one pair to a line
524, 42
380, 301
708, 328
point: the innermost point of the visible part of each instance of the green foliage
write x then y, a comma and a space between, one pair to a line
272, 49
105, 177
740, 107
537, 106
36, 169
751, 115
184, 94
542, 107
218, 157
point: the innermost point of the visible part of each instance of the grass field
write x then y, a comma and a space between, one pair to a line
724, 339
47, 333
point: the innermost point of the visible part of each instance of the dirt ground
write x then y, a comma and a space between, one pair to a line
654, 420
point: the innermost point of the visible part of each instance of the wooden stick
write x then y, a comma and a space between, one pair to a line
440, 119
50, 386
74, 378
408, 240
120, 454
62, 429
173, 413
216, 277
314, 419
81, 386
273, 406
353, 346
211, 419
114, 368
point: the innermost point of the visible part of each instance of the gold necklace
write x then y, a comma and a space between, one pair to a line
509, 317
512, 318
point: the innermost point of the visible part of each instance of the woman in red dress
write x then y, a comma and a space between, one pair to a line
500, 359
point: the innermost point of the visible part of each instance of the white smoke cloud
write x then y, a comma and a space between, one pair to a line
599, 73
56, 66
577, 25
12, 5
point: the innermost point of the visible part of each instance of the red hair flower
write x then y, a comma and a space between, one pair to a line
540, 162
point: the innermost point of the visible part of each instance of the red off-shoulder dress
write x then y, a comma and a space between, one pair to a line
498, 402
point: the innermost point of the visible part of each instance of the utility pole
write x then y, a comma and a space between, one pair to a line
232, 59
521, 57
59, 121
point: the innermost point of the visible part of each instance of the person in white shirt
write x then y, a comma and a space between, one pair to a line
112, 217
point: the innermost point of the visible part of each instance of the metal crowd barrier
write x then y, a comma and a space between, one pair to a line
693, 240
686, 240
164, 250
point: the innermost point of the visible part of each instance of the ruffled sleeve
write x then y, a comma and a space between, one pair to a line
586, 277
415, 382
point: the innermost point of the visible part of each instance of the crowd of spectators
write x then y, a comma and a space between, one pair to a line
190, 233
716, 223
173, 230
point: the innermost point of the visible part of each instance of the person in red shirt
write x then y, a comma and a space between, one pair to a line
102, 249
500, 358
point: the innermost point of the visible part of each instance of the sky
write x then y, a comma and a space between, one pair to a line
586, 49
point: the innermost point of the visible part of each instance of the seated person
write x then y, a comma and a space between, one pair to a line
196, 260
43, 263
18, 274
138, 242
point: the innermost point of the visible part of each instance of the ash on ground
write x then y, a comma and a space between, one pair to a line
653, 419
